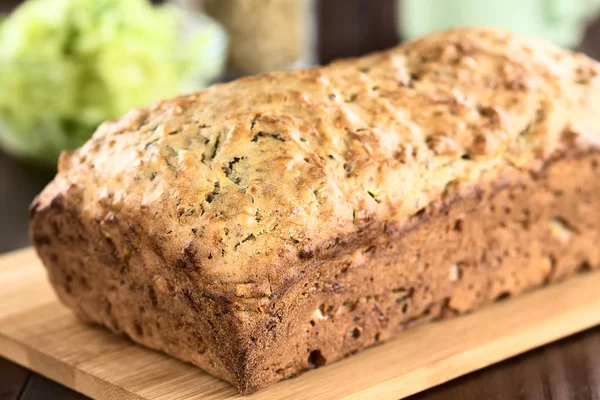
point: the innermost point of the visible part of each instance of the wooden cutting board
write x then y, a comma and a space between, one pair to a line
39, 333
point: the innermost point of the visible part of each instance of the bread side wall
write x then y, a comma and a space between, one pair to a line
506, 238
110, 273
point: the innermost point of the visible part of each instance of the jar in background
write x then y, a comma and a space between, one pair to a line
267, 35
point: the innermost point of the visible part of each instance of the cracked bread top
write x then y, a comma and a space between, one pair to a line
244, 179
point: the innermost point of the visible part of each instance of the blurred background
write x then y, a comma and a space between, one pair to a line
68, 65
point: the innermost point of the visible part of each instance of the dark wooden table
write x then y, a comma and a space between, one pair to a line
568, 369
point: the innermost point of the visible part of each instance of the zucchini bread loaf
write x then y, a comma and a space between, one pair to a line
280, 222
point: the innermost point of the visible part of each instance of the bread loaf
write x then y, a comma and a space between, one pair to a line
280, 222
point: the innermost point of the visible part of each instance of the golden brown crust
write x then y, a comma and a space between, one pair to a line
234, 192
507, 236
253, 171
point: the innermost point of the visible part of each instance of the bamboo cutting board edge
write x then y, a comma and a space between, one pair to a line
39, 333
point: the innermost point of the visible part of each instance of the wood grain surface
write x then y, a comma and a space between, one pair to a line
39, 333
565, 370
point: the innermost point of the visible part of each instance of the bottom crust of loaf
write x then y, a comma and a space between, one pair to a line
498, 240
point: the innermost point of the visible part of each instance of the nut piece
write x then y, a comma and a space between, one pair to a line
318, 315
560, 230
455, 273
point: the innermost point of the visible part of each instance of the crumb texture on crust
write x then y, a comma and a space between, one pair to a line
285, 220
255, 171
